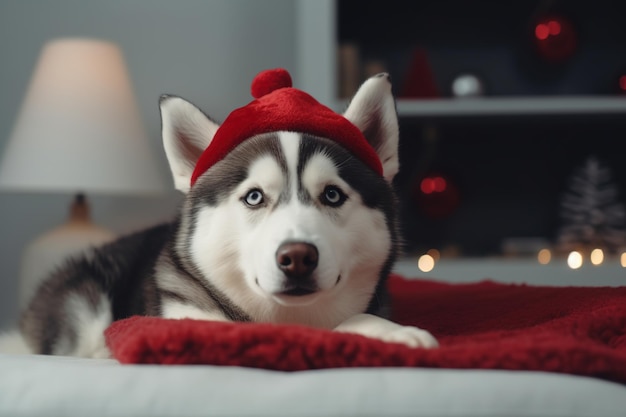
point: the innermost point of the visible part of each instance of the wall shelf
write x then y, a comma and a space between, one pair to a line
517, 271
512, 106
507, 106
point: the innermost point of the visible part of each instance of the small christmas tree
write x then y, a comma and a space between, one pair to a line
591, 214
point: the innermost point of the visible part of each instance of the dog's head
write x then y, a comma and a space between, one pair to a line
288, 217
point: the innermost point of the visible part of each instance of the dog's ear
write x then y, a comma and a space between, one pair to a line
186, 133
373, 110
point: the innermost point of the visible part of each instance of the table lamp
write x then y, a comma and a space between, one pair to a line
78, 131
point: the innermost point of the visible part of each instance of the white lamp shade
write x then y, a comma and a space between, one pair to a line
79, 127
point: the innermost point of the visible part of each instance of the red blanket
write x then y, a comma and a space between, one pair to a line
482, 325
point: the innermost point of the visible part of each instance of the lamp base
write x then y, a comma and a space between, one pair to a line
51, 249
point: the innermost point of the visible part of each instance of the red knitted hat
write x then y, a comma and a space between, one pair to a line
278, 107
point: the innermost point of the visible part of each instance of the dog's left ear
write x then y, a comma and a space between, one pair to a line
373, 111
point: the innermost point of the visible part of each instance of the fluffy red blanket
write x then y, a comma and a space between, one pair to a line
481, 325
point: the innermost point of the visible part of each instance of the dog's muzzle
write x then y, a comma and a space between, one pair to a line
298, 261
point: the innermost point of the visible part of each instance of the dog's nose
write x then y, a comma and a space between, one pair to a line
297, 259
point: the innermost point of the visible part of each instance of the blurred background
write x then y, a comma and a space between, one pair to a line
512, 113
205, 51
500, 104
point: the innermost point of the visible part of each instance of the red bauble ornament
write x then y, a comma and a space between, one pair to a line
436, 196
555, 38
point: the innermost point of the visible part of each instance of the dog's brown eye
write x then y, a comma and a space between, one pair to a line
254, 198
333, 196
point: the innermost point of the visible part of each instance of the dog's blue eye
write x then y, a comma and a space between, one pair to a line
333, 196
254, 198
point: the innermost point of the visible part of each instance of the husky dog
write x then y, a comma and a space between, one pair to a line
287, 227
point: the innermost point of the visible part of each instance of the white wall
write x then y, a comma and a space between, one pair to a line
204, 50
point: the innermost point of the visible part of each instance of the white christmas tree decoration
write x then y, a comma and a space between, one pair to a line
591, 214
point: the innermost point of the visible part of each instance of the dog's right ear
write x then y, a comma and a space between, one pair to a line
186, 132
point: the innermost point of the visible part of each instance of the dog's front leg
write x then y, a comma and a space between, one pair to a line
379, 328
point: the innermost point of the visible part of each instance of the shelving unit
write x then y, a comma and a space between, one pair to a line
506, 106
558, 126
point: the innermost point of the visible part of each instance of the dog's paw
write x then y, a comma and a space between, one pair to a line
410, 336
385, 330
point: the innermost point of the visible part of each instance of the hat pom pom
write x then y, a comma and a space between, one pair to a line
269, 80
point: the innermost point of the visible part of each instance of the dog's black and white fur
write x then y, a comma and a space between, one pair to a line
287, 228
